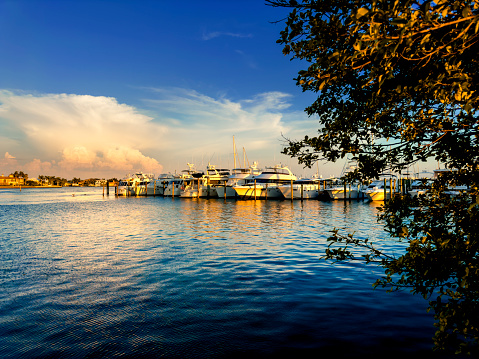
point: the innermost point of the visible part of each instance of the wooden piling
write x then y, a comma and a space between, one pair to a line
292, 196
385, 189
254, 190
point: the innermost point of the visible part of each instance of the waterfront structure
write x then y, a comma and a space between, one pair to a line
11, 180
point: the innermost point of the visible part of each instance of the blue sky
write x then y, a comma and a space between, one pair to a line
103, 88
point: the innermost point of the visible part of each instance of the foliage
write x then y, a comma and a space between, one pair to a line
397, 84
52, 180
20, 174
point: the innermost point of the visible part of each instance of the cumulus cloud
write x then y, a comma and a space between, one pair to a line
79, 132
79, 135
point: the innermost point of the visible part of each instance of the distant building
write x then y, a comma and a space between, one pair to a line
11, 181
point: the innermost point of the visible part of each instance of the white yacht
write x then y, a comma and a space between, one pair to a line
239, 176
379, 190
125, 186
304, 188
265, 185
194, 187
138, 184
162, 182
176, 185
419, 187
208, 183
340, 191
452, 190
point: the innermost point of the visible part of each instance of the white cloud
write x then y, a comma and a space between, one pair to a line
83, 136
79, 132
8, 156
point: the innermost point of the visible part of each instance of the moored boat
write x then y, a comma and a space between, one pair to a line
239, 176
265, 185
304, 188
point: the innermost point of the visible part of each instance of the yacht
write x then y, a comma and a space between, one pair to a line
342, 190
304, 188
345, 191
419, 187
176, 185
209, 182
144, 184
162, 182
381, 189
265, 185
138, 184
125, 186
239, 176
452, 190
194, 187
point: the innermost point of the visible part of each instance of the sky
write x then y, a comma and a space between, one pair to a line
106, 88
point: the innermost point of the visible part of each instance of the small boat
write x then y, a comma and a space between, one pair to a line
125, 187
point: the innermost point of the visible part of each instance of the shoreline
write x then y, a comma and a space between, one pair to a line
22, 187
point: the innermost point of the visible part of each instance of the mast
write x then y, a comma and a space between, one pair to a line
234, 152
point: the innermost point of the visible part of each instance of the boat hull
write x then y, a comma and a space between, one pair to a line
340, 194
307, 192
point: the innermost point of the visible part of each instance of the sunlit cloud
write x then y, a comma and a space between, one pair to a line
79, 135
79, 132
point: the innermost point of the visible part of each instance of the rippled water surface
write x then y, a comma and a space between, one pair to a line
85, 275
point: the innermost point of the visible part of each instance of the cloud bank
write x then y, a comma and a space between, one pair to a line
75, 133
95, 136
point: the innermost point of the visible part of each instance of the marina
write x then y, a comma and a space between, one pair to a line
276, 182
104, 276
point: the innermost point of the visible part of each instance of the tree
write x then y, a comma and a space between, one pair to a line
20, 174
397, 83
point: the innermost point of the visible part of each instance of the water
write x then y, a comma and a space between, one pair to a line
83, 276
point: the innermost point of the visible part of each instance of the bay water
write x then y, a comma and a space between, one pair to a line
83, 275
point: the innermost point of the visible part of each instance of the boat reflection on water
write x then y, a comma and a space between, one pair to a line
194, 278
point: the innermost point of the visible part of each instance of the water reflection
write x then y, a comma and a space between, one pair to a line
192, 278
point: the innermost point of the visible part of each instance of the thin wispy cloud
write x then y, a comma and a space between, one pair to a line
214, 34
